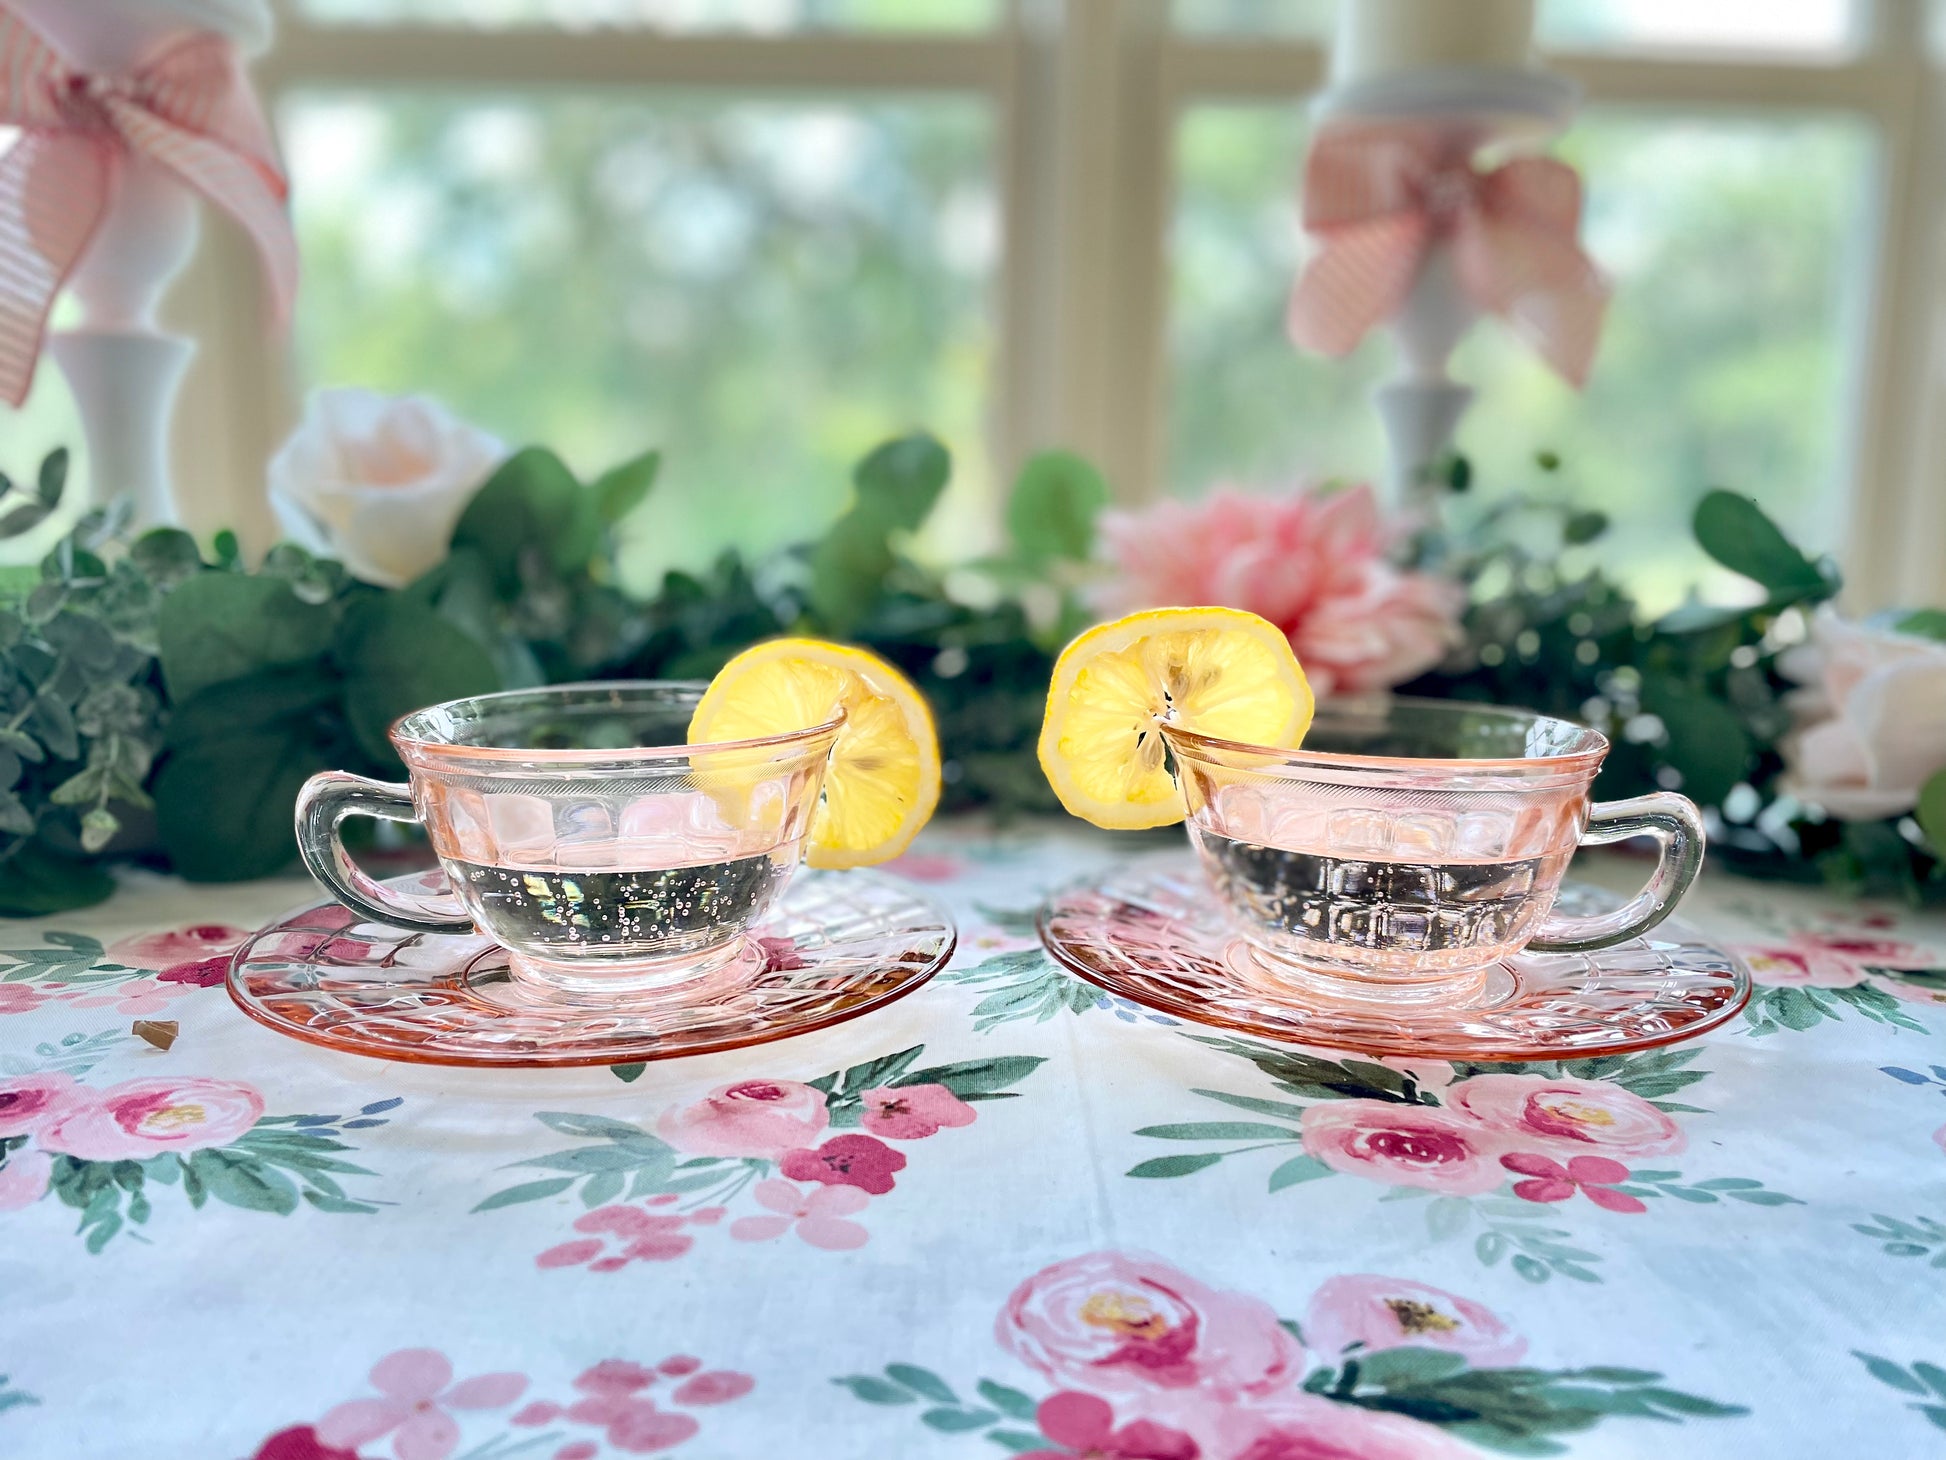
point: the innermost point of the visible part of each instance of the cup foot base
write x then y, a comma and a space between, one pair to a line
634, 980
1156, 937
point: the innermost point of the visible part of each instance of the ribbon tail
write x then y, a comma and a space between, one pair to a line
248, 190
1359, 276
1541, 283
54, 190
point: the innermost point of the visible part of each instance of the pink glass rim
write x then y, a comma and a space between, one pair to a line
408, 743
1565, 766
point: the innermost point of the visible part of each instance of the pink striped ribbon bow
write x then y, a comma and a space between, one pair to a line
188, 108
1377, 200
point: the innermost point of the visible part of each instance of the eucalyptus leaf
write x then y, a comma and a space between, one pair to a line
621, 489
397, 656
531, 503
53, 479
1737, 533
1051, 513
37, 881
898, 482
223, 626
239, 752
1931, 813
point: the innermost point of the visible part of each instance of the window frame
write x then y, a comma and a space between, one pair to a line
1087, 96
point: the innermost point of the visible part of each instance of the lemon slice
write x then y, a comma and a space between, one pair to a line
1218, 671
883, 780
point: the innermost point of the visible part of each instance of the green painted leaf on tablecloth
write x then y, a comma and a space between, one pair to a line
1010, 1402
1773, 1009
958, 1421
1025, 984
1297, 1170
973, 1080
922, 1382
10, 1397
1163, 1167
628, 1073
876, 1391
1925, 1380
1313, 1077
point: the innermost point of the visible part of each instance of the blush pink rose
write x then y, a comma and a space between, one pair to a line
1299, 1426
18, 998
30, 1102
1312, 562
175, 945
1568, 1115
913, 1112
1084, 1424
763, 1118
1114, 1323
141, 1118
1872, 952
23, 1180
1405, 1145
1913, 991
1383, 1312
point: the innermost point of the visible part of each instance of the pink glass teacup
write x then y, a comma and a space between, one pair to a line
578, 830
1412, 844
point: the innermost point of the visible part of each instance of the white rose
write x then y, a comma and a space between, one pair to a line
1871, 720
378, 482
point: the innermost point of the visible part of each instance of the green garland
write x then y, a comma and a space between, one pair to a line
162, 705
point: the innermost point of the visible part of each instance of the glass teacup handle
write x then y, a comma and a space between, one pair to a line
1677, 827
326, 800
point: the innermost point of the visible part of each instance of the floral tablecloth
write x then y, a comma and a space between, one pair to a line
1003, 1215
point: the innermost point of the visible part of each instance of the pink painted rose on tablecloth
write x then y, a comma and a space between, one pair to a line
1085, 1425
641, 1236
29, 1103
926, 867
1113, 1323
762, 1118
174, 946
23, 1180
861, 1161
416, 1397
1798, 964
1561, 1114
141, 1118
1298, 1426
818, 1215
1383, 1312
1405, 1145
913, 1112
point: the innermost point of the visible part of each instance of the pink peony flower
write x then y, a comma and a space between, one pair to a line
18, 998
913, 1112
141, 1118
23, 1180
861, 1161
30, 1102
716, 1386
1297, 1426
139, 997
1550, 1181
175, 945
414, 1397
749, 1118
1311, 562
1113, 1323
818, 1215
1085, 1424
1405, 1145
1382, 1313
1566, 1114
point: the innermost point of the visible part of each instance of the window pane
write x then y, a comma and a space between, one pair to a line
1683, 25
763, 290
1796, 26
681, 15
1739, 256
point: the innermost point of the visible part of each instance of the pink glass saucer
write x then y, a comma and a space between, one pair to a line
1159, 937
839, 945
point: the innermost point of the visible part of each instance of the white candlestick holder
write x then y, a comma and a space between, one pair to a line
124, 369
1470, 109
